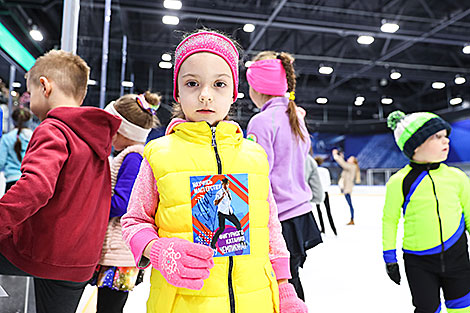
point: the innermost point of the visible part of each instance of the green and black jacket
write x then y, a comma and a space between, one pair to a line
435, 202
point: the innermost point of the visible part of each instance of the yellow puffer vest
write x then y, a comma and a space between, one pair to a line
236, 284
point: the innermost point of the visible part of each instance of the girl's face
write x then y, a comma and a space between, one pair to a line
434, 149
257, 98
205, 88
121, 142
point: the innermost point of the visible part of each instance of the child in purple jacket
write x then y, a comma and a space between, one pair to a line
282, 133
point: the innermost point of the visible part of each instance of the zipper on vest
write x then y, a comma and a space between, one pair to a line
441, 255
217, 157
230, 258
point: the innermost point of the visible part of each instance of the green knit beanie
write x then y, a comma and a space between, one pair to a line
412, 130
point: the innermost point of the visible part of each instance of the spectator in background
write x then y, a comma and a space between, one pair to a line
325, 179
351, 174
13, 146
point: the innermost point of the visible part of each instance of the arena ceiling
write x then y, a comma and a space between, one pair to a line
426, 48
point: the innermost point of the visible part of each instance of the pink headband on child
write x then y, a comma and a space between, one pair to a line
268, 77
207, 42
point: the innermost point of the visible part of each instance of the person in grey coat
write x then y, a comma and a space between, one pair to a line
325, 179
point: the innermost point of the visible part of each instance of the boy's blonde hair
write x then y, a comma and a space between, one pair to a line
67, 70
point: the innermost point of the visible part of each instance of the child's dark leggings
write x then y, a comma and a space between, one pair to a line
348, 199
110, 300
328, 212
52, 296
425, 278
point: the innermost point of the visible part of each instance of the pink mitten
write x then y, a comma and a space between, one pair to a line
182, 263
288, 300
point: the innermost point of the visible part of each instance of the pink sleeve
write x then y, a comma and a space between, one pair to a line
278, 253
138, 224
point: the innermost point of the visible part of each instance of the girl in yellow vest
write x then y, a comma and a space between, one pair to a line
160, 227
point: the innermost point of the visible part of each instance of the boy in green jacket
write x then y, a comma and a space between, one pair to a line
435, 202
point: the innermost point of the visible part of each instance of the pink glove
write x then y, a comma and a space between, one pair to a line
182, 263
288, 300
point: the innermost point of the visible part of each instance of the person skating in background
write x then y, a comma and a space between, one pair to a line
434, 200
280, 129
325, 179
53, 220
13, 146
116, 273
350, 175
159, 224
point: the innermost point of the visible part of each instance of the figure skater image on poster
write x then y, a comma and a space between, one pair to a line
220, 213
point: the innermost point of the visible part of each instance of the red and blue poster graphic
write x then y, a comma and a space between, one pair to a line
220, 213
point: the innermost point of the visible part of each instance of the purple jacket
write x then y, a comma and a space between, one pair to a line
286, 155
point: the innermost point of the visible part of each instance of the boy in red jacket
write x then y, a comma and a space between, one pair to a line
53, 220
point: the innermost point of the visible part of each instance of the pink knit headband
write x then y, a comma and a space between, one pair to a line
207, 42
268, 77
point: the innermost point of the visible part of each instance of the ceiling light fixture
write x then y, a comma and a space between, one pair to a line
92, 82
16, 84
248, 28
466, 49
455, 101
241, 95
172, 4
359, 100
325, 70
170, 20
35, 33
166, 57
459, 80
126, 83
386, 100
165, 65
248, 63
438, 85
394, 74
389, 27
365, 39
321, 100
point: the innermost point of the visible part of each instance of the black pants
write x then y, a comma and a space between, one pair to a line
295, 262
425, 277
232, 218
52, 296
111, 301
300, 233
328, 212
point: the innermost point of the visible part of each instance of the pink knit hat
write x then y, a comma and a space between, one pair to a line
207, 42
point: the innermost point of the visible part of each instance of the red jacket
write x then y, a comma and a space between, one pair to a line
53, 220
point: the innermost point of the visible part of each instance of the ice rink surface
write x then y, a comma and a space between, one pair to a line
343, 274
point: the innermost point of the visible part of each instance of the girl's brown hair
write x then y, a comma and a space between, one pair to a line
20, 116
128, 107
287, 61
